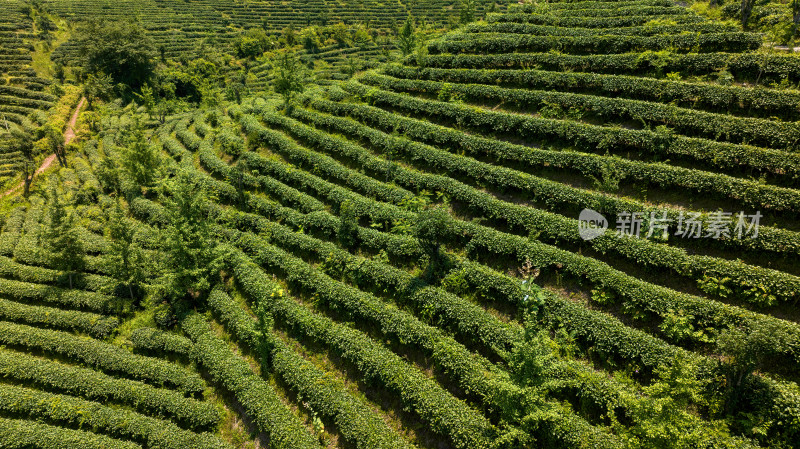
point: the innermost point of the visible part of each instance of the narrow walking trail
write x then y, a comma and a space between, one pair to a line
69, 134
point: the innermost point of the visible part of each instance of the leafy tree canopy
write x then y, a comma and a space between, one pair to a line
118, 49
194, 259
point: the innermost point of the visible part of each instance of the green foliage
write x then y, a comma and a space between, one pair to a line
98, 87
446, 93
348, 228
23, 433
466, 12
126, 259
22, 141
94, 385
531, 360
407, 38
140, 160
257, 397
309, 39
63, 238
121, 50
289, 76
194, 259
164, 316
361, 37
679, 327
253, 43
102, 356
603, 297
717, 286
609, 177
724, 78
75, 412
195, 81
290, 35
432, 229
340, 34
662, 420
51, 140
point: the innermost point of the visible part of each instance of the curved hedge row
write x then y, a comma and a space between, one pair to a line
749, 193
600, 43
464, 318
775, 163
590, 385
100, 387
159, 341
603, 74
98, 326
772, 239
548, 30
600, 4
502, 122
445, 414
300, 155
115, 422
26, 434
556, 227
79, 299
489, 86
777, 394
241, 178
592, 10
612, 340
103, 356
256, 396
472, 372
327, 396
591, 22
707, 313
362, 271
382, 213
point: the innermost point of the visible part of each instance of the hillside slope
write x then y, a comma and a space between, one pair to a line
403, 259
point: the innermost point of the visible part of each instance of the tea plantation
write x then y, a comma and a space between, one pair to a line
421, 224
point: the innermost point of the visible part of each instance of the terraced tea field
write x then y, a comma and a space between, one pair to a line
401, 258
23, 94
179, 27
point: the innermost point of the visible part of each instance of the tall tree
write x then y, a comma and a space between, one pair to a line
98, 87
253, 43
433, 228
63, 238
22, 141
289, 76
140, 159
121, 50
126, 260
746, 10
51, 140
406, 38
466, 13
290, 35
193, 255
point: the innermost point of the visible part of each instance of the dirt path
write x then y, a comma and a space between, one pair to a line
69, 134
